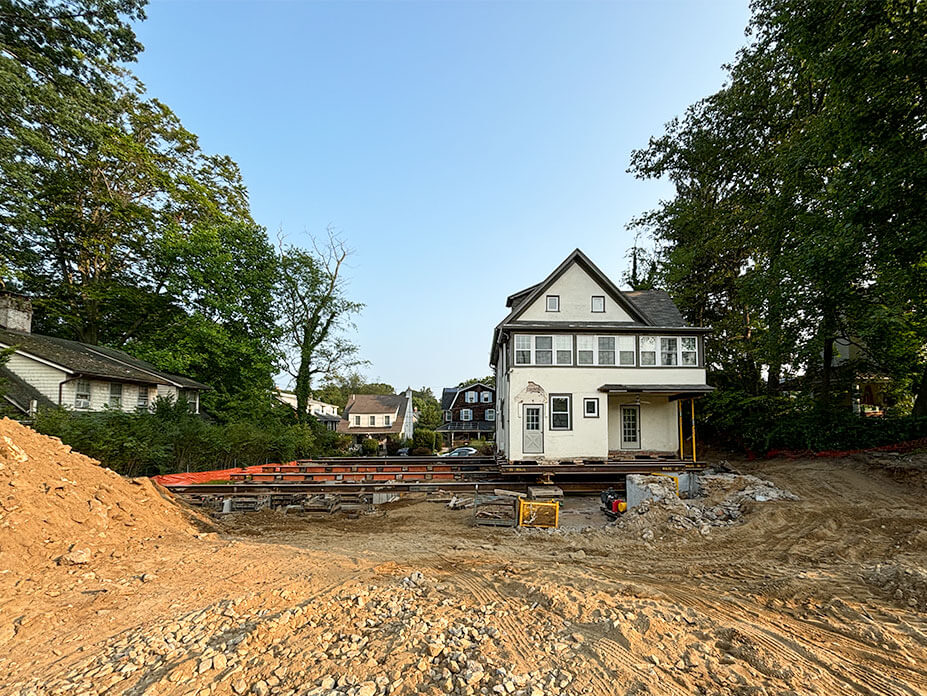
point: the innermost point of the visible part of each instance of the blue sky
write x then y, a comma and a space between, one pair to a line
462, 149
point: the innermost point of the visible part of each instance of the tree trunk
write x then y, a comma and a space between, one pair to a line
920, 397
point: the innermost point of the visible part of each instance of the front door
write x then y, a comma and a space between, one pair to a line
630, 427
534, 430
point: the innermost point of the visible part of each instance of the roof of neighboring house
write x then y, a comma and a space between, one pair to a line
19, 393
93, 361
658, 305
326, 417
448, 396
373, 404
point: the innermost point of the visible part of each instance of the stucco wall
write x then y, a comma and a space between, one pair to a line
659, 424
591, 437
575, 288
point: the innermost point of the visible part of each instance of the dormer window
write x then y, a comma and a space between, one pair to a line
486, 397
598, 303
470, 397
553, 303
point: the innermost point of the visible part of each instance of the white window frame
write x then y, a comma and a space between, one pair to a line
593, 309
486, 397
470, 397
672, 355
466, 414
552, 303
115, 395
683, 351
590, 400
553, 412
447, 416
490, 414
83, 397
680, 354
641, 351
386, 421
357, 421
142, 398
373, 421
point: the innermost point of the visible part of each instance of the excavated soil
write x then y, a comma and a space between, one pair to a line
825, 595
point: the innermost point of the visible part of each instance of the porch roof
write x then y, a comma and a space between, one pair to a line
679, 390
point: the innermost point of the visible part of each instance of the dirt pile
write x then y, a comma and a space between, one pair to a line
724, 500
59, 506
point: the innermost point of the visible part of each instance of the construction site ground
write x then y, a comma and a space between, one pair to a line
823, 595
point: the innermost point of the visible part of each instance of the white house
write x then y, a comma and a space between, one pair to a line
378, 416
48, 371
585, 371
327, 414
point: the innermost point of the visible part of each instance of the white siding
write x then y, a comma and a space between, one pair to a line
575, 288
42, 377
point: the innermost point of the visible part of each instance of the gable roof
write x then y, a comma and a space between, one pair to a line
78, 358
648, 309
457, 391
375, 403
525, 298
19, 393
448, 396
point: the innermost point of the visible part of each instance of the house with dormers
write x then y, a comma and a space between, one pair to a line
469, 413
585, 371
378, 416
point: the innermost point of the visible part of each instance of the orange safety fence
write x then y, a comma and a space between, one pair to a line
195, 477
907, 446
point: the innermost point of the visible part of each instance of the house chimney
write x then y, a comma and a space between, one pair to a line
15, 312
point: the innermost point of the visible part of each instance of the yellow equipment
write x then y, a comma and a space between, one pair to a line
534, 513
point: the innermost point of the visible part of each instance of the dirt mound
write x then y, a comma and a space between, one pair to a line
60, 506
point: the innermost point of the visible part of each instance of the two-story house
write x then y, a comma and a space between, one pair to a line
585, 371
326, 414
378, 416
469, 413
48, 371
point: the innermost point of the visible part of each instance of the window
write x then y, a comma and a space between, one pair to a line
689, 350
585, 350
606, 350
490, 414
356, 420
142, 402
386, 420
668, 354
82, 395
486, 397
553, 303
115, 395
522, 350
560, 412
373, 420
598, 303
543, 350
564, 346
447, 416
590, 408
648, 350
466, 414
470, 397
626, 350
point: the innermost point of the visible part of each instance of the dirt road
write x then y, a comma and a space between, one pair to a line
824, 595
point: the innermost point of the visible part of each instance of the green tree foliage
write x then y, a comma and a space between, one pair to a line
337, 389
370, 447
799, 214
489, 381
315, 311
428, 407
423, 439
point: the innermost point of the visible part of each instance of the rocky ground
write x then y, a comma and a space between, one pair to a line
824, 594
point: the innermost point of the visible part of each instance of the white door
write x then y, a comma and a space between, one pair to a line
533, 440
630, 427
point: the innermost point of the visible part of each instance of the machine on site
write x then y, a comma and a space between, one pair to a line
613, 502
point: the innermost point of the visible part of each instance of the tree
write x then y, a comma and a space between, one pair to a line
428, 407
314, 312
799, 214
489, 381
337, 388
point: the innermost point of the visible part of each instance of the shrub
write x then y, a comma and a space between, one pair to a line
421, 452
370, 446
393, 445
423, 438
483, 447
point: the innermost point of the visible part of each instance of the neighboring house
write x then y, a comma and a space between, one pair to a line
378, 416
44, 371
469, 413
585, 371
327, 414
